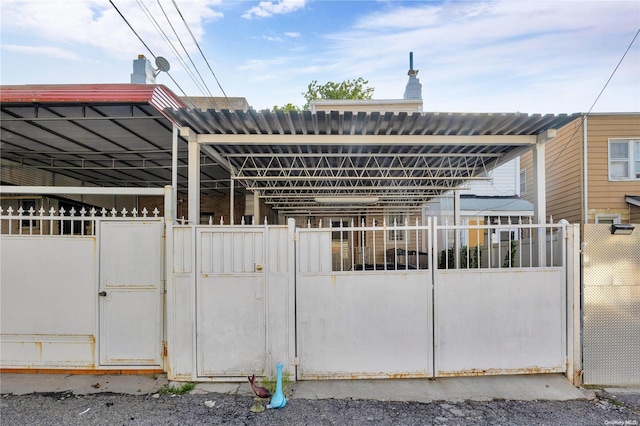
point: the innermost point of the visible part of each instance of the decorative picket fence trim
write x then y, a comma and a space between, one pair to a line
68, 222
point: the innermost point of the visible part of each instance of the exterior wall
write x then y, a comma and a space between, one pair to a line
604, 196
563, 172
378, 105
506, 181
15, 174
634, 214
210, 205
564, 169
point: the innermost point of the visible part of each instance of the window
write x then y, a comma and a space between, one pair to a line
607, 218
396, 219
624, 159
523, 181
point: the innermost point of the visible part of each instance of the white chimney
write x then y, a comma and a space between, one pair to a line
143, 72
414, 88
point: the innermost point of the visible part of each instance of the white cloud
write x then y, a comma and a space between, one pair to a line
48, 51
266, 9
96, 23
503, 52
292, 34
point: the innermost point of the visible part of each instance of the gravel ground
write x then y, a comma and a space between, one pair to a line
190, 409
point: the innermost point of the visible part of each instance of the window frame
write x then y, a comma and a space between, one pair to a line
607, 217
632, 159
523, 181
395, 235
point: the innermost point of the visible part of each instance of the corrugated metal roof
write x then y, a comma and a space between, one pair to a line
120, 134
157, 95
363, 123
401, 159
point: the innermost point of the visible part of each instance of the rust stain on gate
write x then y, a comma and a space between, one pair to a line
498, 371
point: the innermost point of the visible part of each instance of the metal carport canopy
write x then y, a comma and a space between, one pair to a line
304, 163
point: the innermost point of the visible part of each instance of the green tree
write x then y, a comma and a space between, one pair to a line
286, 108
348, 89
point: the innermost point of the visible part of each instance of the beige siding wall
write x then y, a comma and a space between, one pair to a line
563, 173
564, 158
604, 196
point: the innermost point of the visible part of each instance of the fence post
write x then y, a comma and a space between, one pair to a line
574, 344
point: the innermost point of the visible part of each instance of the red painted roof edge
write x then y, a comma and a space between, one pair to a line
157, 95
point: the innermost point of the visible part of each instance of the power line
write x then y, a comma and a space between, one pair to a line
213, 103
596, 100
198, 45
153, 21
147, 47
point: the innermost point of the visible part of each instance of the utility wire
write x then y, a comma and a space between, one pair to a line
596, 100
153, 21
147, 47
205, 59
213, 102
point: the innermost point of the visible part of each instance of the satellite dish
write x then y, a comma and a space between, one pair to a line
162, 64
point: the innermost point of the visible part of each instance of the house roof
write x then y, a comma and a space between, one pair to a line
633, 199
103, 135
299, 162
485, 206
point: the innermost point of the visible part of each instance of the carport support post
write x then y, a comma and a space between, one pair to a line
540, 206
256, 207
232, 200
194, 176
456, 222
174, 169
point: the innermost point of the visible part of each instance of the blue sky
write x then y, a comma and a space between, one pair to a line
473, 56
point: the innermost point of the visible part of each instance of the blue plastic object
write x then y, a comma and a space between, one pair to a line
278, 400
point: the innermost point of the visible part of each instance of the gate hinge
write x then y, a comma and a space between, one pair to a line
295, 236
296, 361
165, 349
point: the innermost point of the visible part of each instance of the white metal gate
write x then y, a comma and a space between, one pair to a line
81, 290
358, 317
130, 293
244, 302
372, 306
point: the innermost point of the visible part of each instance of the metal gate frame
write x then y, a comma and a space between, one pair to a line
556, 286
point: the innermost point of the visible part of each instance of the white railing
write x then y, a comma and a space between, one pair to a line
62, 222
520, 248
374, 247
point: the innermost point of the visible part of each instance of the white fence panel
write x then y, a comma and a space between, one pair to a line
500, 322
49, 301
364, 325
372, 319
81, 291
